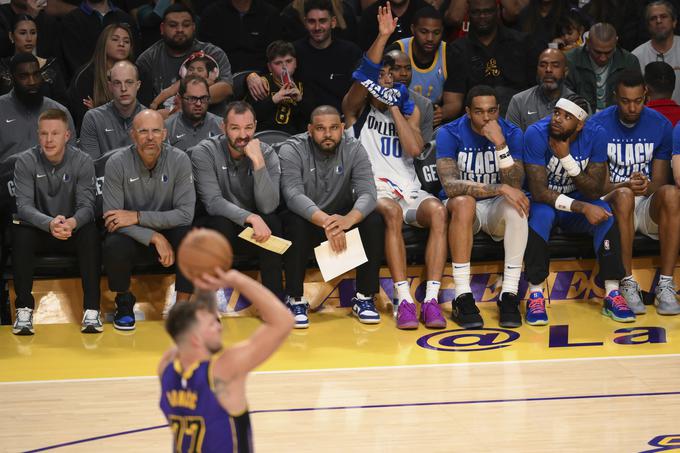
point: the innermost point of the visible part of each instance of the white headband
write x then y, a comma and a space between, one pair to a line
568, 106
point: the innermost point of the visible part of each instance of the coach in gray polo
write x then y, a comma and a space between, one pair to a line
529, 106
237, 180
21, 107
108, 126
193, 122
149, 201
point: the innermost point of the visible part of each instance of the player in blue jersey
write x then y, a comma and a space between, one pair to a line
479, 161
565, 160
639, 146
203, 392
387, 123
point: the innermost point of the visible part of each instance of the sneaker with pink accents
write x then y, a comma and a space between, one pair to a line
615, 307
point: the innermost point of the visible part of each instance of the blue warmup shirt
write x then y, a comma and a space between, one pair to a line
475, 155
676, 139
632, 149
589, 146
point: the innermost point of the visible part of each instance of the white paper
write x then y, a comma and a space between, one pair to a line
333, 264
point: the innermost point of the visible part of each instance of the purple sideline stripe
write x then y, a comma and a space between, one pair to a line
378, 406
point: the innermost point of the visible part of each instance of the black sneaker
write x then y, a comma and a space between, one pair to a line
125, 315
465, 312
508, 309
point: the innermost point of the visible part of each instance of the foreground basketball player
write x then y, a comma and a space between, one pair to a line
203, 388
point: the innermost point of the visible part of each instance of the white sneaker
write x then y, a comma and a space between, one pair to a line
92, 322
299, 310
630, 290
24, 322
666, 301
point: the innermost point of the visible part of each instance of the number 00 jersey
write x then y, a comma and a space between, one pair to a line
198, 421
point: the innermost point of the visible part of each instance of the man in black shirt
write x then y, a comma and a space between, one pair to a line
491, 55
403, 10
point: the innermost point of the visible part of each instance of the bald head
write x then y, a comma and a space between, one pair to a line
148, 117
124, 84
323, 110
400, 66
148, 133
123, 66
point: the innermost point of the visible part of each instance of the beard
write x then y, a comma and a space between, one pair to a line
561, 136
179, 46
660, 36
551, 86
326, 147
31, 100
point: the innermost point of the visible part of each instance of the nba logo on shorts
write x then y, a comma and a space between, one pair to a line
66, 177
164, 178
606, 244
339, 170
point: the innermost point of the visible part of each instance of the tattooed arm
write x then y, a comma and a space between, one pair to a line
591, 182
513, 176
449, 175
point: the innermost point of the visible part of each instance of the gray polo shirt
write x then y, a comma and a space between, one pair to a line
160, 69
44, 190
426, 114
164, 196
529, 106
19, 125
229, 187
183, 135
336, 182
105, 129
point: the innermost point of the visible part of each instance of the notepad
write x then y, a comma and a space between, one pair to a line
333, 264
274, 243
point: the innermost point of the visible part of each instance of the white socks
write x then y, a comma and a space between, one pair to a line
461, 278
402, 291
432, 290
610, 285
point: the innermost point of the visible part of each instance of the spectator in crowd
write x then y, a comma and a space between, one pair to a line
149, 201
107, 127
324, 63
541, 20
593, 68
288, 106
661, 19
237, 180
90, 86
456, 17
390, 134
21, 107
193, 123
81, 28
479, 161
572, 29
159, 65
339, 195
639, 147
402, 10
431, 59
539, 101
242, 29
55, 210
492, 55
198, 63
401, 69
623, 15
565, 160
660, 81
293, 19
47, 26
148, 16
24, 35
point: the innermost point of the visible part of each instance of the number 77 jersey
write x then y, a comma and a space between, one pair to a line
198, 421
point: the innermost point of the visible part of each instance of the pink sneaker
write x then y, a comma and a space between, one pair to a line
431, 315
407, 318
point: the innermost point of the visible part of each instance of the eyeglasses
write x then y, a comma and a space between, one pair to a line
155, 132
196, 99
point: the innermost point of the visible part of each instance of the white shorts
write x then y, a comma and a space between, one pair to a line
489, 218
643, 219
409, 202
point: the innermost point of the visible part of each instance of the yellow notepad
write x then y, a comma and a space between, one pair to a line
274, 243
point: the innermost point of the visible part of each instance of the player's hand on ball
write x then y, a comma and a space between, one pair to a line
217, 280
595, 214
166, 256
261, 231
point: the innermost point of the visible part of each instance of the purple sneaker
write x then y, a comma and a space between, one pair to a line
407, 319
431, 315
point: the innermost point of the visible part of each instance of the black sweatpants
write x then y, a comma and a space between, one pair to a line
270, 263
85, 243
121, 253
305, 236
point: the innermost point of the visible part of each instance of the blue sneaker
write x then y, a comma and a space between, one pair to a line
536, 314
298, 307
615, 307
124, 318
365, 310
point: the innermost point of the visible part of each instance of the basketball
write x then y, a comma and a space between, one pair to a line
201, 251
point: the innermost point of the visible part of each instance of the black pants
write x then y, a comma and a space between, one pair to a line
121, 253
305, 236
270, 263
85, 243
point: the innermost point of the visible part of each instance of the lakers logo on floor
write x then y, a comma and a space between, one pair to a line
462, 340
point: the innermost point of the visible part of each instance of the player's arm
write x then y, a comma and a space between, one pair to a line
408, 130
591, 181
661, 175
277, 323
449, 175
513, 175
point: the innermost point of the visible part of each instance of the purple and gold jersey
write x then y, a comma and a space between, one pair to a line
198, 421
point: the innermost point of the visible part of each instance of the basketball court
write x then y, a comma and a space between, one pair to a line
584, 383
